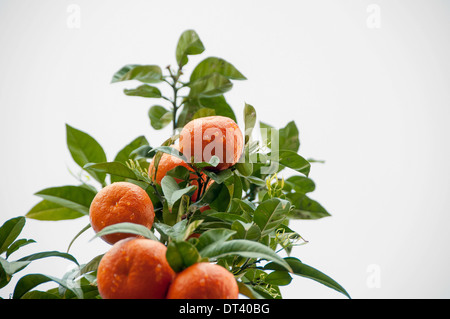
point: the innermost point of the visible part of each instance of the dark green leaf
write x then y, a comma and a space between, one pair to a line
28, 282
7, 269
17, 244
213, 64
244, 248
292, 160
85, 149
73, 197
299, 184
289, 137
305, 207
169, 150
213, 236
112, 168
188, 44
127, 228
212, 85
245, 230
219, 105
47, 210
144, 91
271, 213
47, 254
172, 190
126, 153
306, 271
247, 290
181, 254
159, 117
278, 278
9, 231
142, 73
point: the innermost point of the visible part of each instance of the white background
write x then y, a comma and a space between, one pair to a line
373, 102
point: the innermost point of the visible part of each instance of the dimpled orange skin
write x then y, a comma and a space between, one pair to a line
204, 281
169, 162
203, 129
135, 268
120, 202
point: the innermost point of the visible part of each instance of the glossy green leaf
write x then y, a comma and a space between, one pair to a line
127, 228
9, 231
244, 248
172, 190
112, 168
289, 137
169, 150
291, 160
271, 213
77, 198
159, 116
306, 271
279, 278
46, 254
219, 105
214, 236
144, 90
85, 149
211, 85
299, 184
213, 64
305, 207
188, 44
245, 230
142, 73
28, 282
126, 152
47, 210
181, 254
17, 244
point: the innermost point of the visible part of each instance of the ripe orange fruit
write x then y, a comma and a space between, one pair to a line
202, 138
167, 163
135, 268
118, 203
204, 281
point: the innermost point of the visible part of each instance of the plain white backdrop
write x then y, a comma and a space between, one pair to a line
367, 83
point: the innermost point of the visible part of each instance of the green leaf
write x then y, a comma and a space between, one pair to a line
188, 44
144, 90
220, 177
278, 278
247, 290
211, 85
9, 231
159, 117
172, 190
204, 112
127, 228
217, 196
17, 244
169, 150
244, 248
9, 268
142, 73
271, 213
181, 254
85, 149
248, 231
219, 105
112, 168
299, 184
214, 64
289, 137
292, 160
47, 254
28, 282
249, 120
126, 153
214, 236
306, 271
76, 198
47, 210
305, 207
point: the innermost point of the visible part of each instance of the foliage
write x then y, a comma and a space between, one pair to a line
246, 228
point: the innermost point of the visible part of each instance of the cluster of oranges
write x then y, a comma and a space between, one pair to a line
137, 268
